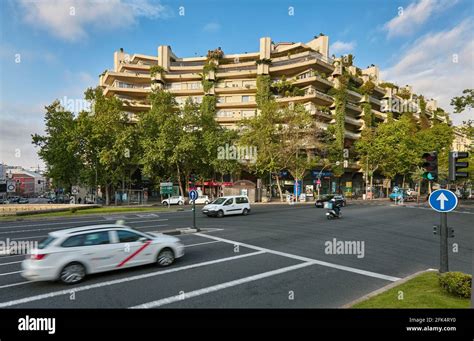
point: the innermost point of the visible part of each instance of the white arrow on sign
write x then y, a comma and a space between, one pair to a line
441, 198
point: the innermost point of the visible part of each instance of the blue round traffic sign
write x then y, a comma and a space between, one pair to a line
193, 195
443, 200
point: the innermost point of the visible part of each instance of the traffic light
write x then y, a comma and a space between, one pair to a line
431, 166
454, 165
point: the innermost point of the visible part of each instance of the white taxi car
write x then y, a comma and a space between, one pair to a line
174, 200
69, 255
204, 199
236, 204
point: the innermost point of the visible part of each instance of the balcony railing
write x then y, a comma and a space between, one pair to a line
124, 85
238, 69
198, 63
308, 57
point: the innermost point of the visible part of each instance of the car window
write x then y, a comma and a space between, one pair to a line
96, 238
218, 201
241, 200
127, 236
45, 242
229, 202
74, 241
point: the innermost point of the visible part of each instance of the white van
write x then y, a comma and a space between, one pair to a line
235, 204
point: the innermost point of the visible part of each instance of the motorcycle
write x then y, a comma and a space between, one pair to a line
334, 212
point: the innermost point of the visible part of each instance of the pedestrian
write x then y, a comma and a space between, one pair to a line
79, 200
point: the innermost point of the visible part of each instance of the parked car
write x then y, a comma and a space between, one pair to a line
71, 254
340, 199
23, 201
236, 204
13, 200
59, 200
174, 200
202, 200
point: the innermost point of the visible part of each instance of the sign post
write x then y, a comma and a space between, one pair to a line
443, 201
193, 195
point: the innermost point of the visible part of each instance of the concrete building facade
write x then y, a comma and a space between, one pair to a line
307, 66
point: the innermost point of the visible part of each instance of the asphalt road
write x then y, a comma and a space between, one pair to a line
274, 258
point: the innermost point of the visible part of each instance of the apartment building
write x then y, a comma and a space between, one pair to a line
306, 66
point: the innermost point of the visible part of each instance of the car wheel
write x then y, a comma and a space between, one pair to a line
245, 211
180, 203
220, 214
164, 203
72, 273
165, 257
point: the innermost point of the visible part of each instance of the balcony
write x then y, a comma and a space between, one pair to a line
353, 121
301, 57
353, 107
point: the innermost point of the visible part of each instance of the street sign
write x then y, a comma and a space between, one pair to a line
193, 195
297, 188
443, 200
75, 190
11, 186
166, 188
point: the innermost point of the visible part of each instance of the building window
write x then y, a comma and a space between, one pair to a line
245, 99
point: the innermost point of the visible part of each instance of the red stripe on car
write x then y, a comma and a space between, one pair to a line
134, 254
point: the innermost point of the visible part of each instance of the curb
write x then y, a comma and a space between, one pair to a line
386, 288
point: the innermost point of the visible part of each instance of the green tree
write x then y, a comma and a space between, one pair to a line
263, 131
298, 140
58, 147
460, 103
108, 142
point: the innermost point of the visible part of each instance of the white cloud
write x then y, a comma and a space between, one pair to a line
19, 120
71, 19
428, 64
409, 19
341, 46
211, 27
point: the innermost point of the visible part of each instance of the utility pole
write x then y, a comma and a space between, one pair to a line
443, 234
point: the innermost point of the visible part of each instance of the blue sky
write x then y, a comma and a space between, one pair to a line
426, 43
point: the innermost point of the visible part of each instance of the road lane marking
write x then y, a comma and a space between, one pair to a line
10, 273
306, 259
191, 245
214, 288
10, 263
15, 284
87, 221
122, 280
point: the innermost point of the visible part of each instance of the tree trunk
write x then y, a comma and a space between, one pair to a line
371, 186
107, 195
419, 192
403, 182
180, 183
279, 188
186, 185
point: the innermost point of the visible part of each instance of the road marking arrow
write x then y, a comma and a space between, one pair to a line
441, 198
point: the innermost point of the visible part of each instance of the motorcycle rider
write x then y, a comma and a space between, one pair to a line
336, 207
